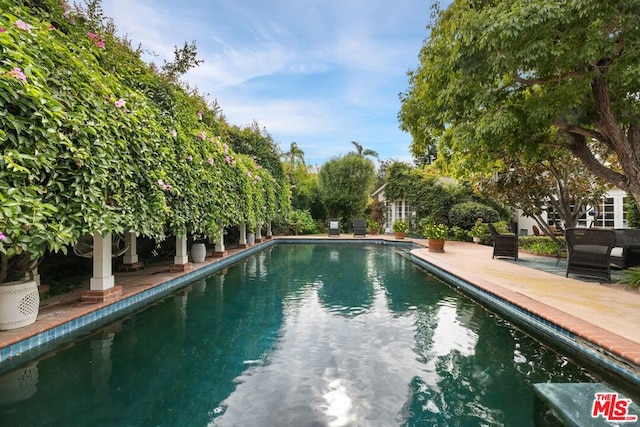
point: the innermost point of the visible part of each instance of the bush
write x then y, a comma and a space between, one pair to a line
460, 234
465, 215
631, 277
540, 245
303, 221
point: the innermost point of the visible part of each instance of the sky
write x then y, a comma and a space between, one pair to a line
321, 73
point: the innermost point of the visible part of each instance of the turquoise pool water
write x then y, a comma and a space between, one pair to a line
296, 335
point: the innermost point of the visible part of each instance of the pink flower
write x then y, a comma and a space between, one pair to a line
120, 103
210, 160
225, 147
257, 178
228, 159
202, 135
249, 174
52, 28
23, 25
200, 113
163, 186
173, 133
18, 74
96, 38
3, 238
1, 30
190, 158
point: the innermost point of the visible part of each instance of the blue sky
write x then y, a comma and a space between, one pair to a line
321, 73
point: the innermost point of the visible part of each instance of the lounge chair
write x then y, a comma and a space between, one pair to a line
589, 251
359, 227
504, 245
334, 227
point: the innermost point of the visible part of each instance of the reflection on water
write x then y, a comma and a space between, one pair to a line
295, 335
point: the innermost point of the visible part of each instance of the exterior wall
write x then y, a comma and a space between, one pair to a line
613, 214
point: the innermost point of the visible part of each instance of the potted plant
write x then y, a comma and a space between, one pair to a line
436, 235
373, 226
400, 228
478, 230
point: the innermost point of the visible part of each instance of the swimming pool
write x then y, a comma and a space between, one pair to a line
347, 334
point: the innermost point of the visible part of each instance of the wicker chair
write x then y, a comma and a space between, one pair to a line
334, 226
589, 251
359, 227
504, 245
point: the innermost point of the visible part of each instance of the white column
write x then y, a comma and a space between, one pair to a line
242, 228
131, 255
258, 232
220, 242
181, 251
269, 233
102, 276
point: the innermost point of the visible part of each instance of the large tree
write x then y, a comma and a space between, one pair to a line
345, 184
494, 73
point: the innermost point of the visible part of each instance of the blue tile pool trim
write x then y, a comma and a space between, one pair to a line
16, 353
539, 326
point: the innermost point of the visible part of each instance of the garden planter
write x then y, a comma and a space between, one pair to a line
477, 239
19, 304
251, 239
399, 234
198, 252
436, 245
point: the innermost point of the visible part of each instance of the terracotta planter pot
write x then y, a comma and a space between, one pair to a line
399, 234
436, 245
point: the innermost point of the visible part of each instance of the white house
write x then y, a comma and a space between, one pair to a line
612, 210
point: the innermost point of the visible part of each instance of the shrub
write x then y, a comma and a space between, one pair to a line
631, 277
460, 234
303, 221
540, 245
465, 215
400, 225
431, 230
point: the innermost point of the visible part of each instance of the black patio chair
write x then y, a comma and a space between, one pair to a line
589, 251
334, 226
504, 245
359, 227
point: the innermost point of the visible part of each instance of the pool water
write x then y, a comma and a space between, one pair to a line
296, 335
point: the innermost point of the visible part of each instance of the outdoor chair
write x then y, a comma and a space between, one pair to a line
359, 227
334, 227
504, 245
626, 251
589, 251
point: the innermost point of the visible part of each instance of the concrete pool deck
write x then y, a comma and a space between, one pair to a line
604, 314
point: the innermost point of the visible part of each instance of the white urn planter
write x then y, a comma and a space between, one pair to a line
19, 304
251, 239
198, 252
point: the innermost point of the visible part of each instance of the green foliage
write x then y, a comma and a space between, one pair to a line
432, 230
494, 76
466, 214
631, 277
373, 225
633, 214
345, 184
95, 140
540, 245
400, 225
302, 222
460, 234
